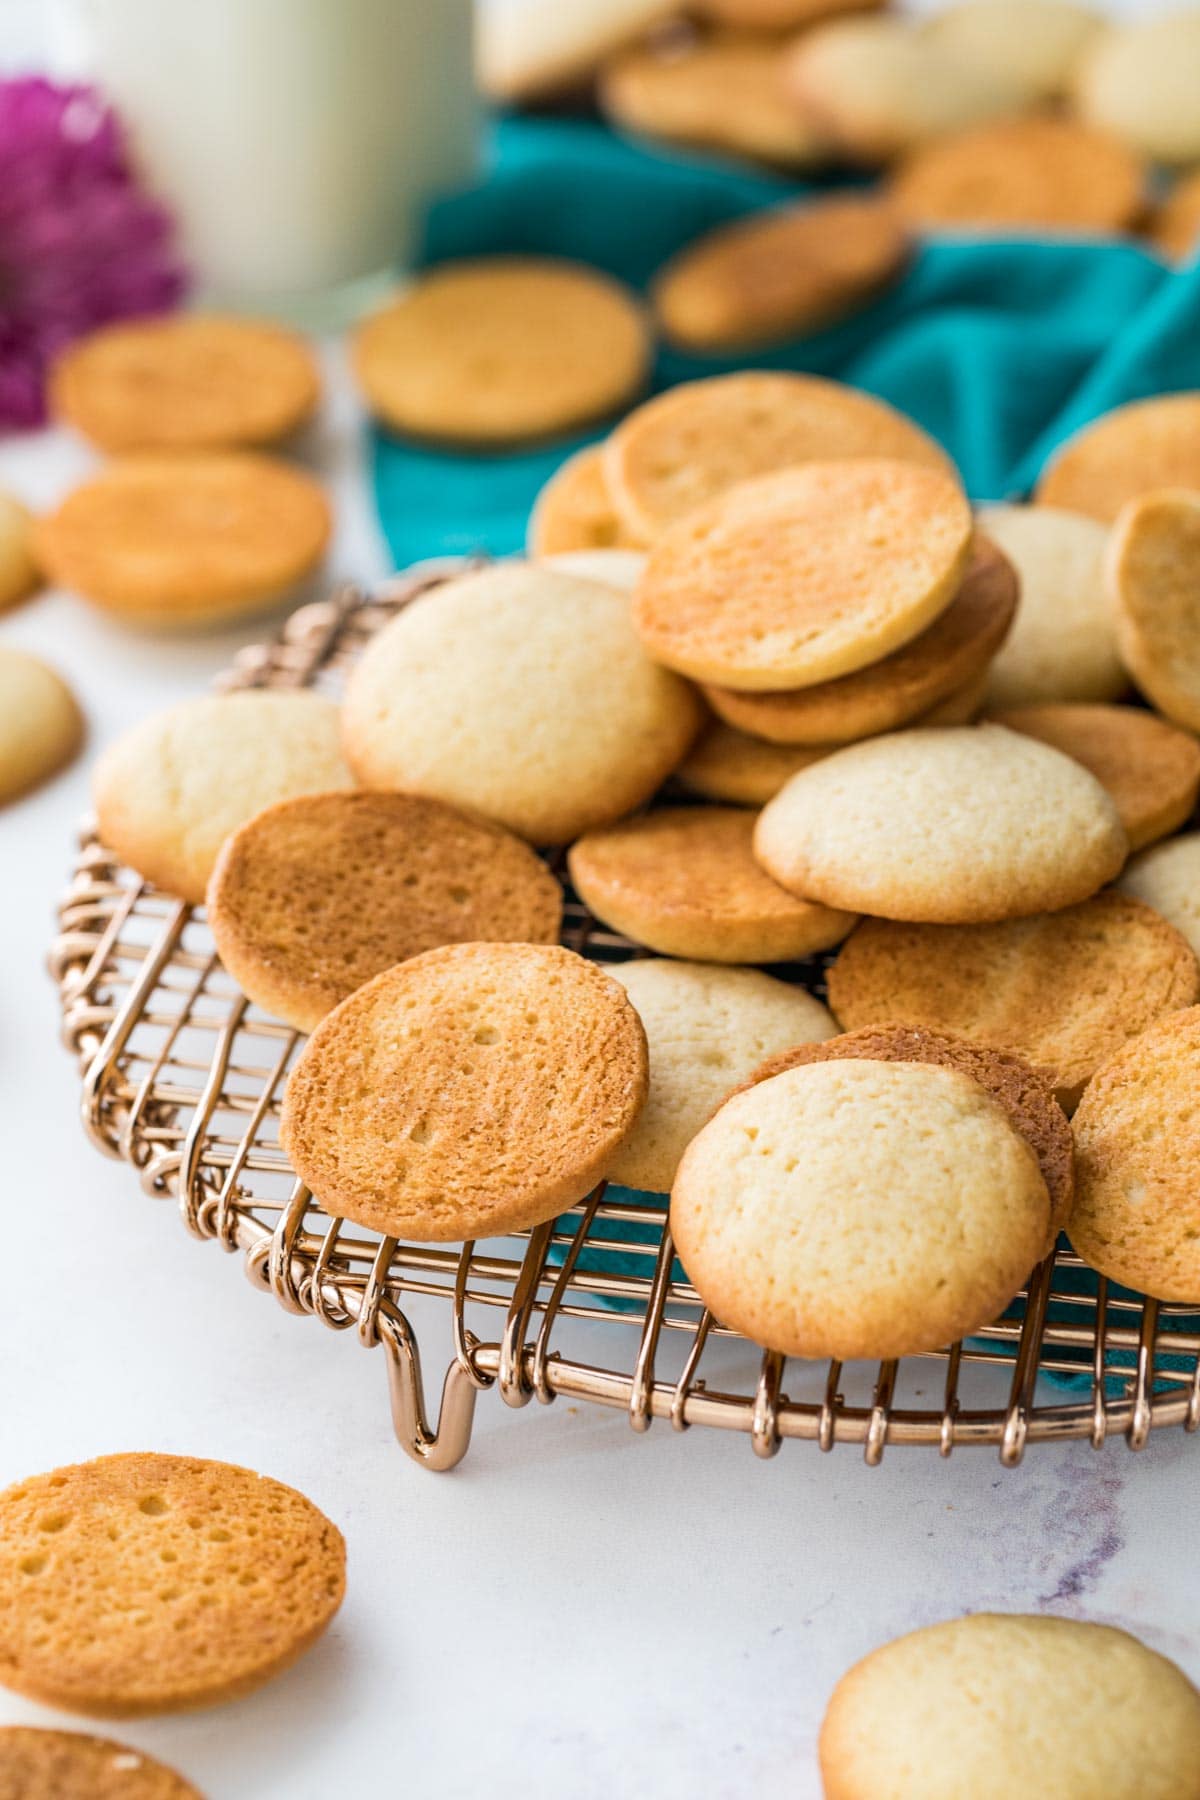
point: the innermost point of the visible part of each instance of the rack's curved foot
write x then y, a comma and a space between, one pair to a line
445, 1446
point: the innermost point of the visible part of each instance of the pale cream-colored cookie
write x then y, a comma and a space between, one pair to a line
41, 726
687, 446
859, 1209
502, 349
1137, 1155
1063, 990
1175, 222
170, 790
522, 694
707, 1027
525, 49
573, 511
140, 1583
1153, 569
1063, 643
19, 573
727, 764
998, 1704
194, 381
1126, 453
949, 826
72, 1765
683, 882
779, 15
940, 662
314, 896
1167, 877
468, 1092
1151, 769
1140, 80
1041, 173
188, 538
780, 274
807, 574
615, 568
1035, 44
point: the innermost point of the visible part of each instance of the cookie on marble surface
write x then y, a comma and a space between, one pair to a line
998, 1704
942, 660
730, 765
706, 1028
859, 1209
1137, 1150
1167, 877
946, 826
1128, 452
38, 1764
170, 790
683, 882
502, 350
19, 573
41, 726
187, 538
1063, 990
1175, 222
193, 381
688, 445
314, 896
803, 575
780, 274
1139, 80
471, 1091
574, 512
526, 49
1154, 583
522, 694
141, 1583
1063, 643
1036, 44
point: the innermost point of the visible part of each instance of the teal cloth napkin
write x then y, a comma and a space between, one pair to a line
1001, 349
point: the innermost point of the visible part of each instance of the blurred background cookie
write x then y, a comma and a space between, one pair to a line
37, 1764
574, 511
1063, 644
526, 49
1125, 453
1034, 44
19, 573
1175, 223
1139, 80
41, 725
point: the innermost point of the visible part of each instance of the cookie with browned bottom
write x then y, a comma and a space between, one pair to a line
73, 1765
1154, 584
729, 765
1128, 452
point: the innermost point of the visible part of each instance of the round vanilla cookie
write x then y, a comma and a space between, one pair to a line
170, 790
1153, 569
778, 15
37, 1764
1175, 222
1167, 877
859, 1209
615, 568
1151, 769
806, 574
998, 1704
1128, 452
1137, 1160
1038, 173
139, 1583
1063, 643
187, 538
41, 726
683, 881
471, 1091
780, 274
193, 381
1063, 990
951, 654
529, 48
1035, 44
522, 694
688, 445
500, 350
19, 573
707, 1027
314, 896
949, 826
573, 512
727, 764
1139, 80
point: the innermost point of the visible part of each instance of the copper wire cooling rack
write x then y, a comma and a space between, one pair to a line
182, 1077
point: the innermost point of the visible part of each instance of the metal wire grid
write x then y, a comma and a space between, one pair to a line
183, 1078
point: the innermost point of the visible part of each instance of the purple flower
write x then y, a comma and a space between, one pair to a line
80, 241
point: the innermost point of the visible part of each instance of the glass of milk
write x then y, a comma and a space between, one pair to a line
297, 141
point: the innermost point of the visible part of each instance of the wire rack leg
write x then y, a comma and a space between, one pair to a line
445, 1446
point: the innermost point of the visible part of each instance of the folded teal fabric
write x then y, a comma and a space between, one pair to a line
1000, 348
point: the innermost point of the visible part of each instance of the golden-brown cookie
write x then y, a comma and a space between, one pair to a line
41, 726
1040, 172
947, 656
73, 1765
314, 896
780, 274
19, 573
687, 446
1153, 572
730, 765
471, 1091
1151, 769
683, 882
1062, 645
186, 539
1175, 222
143, 1584
573, 511
1063, 991
1131, 450
501, 350
194, 381
800, 576
1137, 1151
